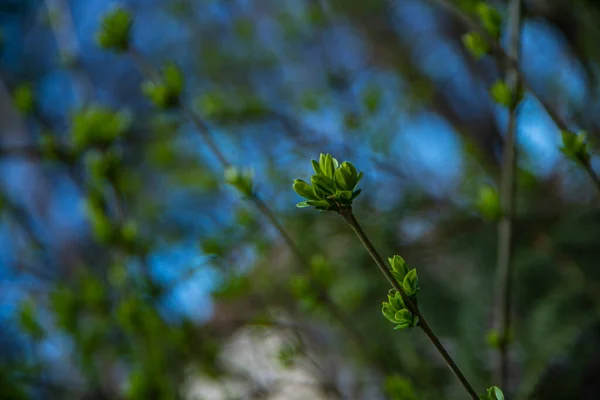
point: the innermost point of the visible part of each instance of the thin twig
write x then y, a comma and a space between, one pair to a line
504, 265
351, 219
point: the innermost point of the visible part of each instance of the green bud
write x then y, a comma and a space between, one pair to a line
489, 203
165, 92
115, 30
501, 93
493, 339
97, 125
157, 93
476, 45
331, 187
490, 19
24, 98
575, 147
371, 99
241, 180
173, 78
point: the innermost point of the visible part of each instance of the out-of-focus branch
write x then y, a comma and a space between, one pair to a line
69, 49
507, 201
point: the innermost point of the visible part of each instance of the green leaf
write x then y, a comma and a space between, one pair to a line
242, 180
405, 319
389, 311
304, 189
501, 93
399, 266
493, 339
323, 186
411, 282
371, 98
165, 92
326, 162
115, 30
98, 125
346, 177
319, 204
316, 167
575, 147
173, 78
102, 227
494, 393
397, 276
395, 300
476, 45
488, 203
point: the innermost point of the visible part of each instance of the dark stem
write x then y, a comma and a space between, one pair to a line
349, 217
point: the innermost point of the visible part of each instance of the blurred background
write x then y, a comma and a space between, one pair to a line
129, 268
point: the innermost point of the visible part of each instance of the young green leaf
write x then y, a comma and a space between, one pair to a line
304, 189
323, 186
115, 30
488, 203
411, 282
395, 300
501, 93
575, 147
399, 266
346, 176
327, 164
405, 319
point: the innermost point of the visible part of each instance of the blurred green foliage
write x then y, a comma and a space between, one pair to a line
116, 239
